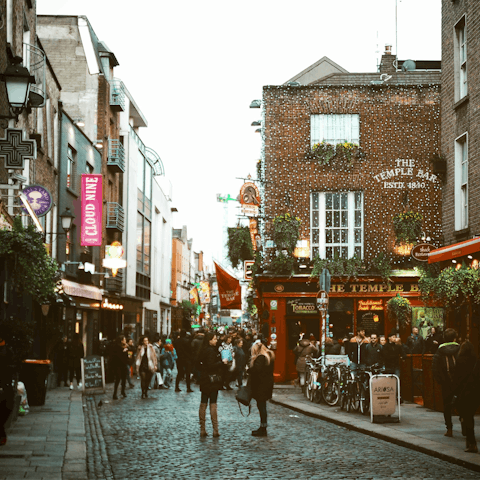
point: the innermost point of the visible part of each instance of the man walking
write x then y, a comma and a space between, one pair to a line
183, 348
443, 368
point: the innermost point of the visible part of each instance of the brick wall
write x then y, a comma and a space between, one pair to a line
396, 122
458, 118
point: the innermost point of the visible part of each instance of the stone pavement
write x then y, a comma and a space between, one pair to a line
420, 429
48, 443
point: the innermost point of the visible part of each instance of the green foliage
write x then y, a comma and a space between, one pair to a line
286, 232
452, 286
282, 264
31, 268
257, 267
251, 307
407, 227
239, 245
18, 336
324, 152
382, 266
341, 267
259, 169
400, 309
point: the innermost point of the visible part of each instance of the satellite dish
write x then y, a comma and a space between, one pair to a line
293, 84
408, 66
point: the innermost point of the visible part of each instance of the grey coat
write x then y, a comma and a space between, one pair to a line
303, 349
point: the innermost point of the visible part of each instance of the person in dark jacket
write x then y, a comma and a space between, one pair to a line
119, 361
196, 347
433, 341
332, 347
211, 381
443, 369
415, 343
183, 347
392, 353
466, 389
76, 352
7, 373
61, 361
301, 351
261, 382
355, 349
240, 361
373, 351
131, 361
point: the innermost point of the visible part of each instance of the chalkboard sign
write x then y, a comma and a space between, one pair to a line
93, 373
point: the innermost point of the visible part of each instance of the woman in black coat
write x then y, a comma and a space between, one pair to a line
466, 387
261, 382
119, 361
211, 369
76, 352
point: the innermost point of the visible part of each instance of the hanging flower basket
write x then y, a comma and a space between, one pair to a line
286, 231
400, 309
407, 227
239, 245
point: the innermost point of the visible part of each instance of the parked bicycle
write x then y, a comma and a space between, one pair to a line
313, 385
331, 385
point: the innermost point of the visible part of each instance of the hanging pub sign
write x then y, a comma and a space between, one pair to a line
92, 201
250, 199
420, 252
302, 306
15, 149
40, 199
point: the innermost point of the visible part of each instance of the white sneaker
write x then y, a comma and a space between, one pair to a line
71, 387
80, 385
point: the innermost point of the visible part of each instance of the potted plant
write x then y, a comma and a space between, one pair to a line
282, 264
407, 227
400, 309
239, 245
324, 152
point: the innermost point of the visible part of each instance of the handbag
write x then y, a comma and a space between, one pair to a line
159, 379
244, 397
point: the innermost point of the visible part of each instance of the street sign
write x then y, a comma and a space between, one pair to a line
247, 269
322, 301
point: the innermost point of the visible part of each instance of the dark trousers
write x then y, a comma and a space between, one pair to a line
183, 369
262, 409
145, 378
447, 396
120, 374
77, 371
212, 396
62, 374
128, 375
6, 407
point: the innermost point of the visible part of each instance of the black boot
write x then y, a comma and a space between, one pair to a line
261, 432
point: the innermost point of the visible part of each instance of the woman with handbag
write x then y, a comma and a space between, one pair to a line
146, 364
261, 382
119, 362
211, 369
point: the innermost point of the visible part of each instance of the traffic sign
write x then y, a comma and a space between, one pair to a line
322, 301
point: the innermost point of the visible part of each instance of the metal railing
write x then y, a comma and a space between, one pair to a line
117, 94
115, 216
116, 155
35, 60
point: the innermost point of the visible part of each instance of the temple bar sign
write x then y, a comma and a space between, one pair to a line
405, 167
14, 149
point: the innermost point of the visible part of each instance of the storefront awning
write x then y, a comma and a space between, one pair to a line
80, 290
454, 251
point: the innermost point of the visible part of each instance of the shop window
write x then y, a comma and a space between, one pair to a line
336, 224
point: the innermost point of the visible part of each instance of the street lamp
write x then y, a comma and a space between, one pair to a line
67, 218
17, 81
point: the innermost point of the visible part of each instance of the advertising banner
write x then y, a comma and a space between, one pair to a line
92, 202
383, 395
229, 289
204, 292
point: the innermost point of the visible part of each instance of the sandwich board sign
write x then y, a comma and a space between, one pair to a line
93, 373
384, 395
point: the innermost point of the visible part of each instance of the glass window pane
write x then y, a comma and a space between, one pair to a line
328, 201
315, 219
329, 253
358, 252
328, 236
344, 252
315, 236
358, 219
328, 220
344, 235
336, 236
141, 173
336, 252
358, 200
314, 252
315, 201
336, 201
336, 219
358, 235
345, 219
148, 180
344, 201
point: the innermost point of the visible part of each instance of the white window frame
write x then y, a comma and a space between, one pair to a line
335, 128
70, 182
460, 58
461, 182
322, 245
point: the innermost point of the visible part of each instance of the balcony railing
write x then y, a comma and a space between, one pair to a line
117, 95
35, 60
116, 156
115, 216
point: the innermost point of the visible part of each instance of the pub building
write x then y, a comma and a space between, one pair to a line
346, 153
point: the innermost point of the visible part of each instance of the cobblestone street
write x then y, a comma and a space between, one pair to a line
158, 438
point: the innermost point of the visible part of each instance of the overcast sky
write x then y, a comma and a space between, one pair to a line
193, 67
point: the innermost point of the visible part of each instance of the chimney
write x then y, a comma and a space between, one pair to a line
388, 62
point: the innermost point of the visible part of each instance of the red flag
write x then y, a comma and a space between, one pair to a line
229, 289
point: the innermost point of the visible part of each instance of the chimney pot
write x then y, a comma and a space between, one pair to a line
388, 49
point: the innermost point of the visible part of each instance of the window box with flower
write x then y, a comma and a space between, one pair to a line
329, 154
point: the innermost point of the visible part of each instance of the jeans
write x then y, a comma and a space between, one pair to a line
183, 369
120, 374
145, 377
129, 376
262, 409
212, 396
167, 376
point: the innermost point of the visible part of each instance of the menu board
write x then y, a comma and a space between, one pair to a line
93, 373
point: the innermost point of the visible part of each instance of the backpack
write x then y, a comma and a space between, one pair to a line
450, 362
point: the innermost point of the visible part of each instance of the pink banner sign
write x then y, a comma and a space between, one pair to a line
92, 202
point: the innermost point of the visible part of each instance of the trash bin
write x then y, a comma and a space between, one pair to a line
34, 374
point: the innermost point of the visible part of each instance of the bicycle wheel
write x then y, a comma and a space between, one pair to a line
330, 391
364, 399
355, 396
309, 386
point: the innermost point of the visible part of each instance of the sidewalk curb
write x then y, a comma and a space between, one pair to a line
412, 445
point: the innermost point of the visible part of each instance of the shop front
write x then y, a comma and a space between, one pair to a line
288, 305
